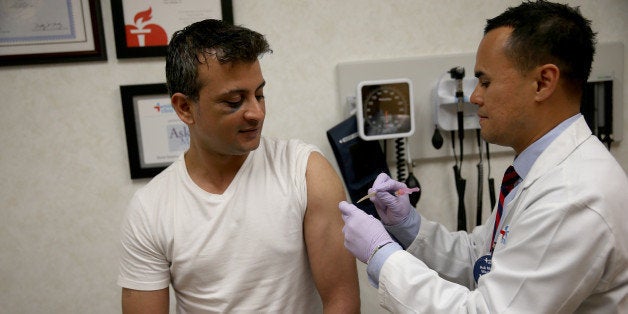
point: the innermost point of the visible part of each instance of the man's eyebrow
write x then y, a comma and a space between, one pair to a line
479, 73
261, 85
242, 90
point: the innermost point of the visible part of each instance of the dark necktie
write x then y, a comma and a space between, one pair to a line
508, 183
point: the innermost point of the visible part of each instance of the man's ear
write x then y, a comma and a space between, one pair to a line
547, 77
182, 106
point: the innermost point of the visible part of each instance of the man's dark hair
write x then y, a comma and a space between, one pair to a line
546, 32
197, 42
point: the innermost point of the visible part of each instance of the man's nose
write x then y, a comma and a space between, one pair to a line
255, 109
476, 97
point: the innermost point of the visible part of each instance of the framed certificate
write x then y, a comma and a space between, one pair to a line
155, 136
143, 28
38, 31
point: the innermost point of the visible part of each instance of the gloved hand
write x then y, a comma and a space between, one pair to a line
391, 209
363, 232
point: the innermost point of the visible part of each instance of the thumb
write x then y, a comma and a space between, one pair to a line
346, 209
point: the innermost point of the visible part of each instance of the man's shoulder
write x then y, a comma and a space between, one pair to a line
286, 148
163, 181
274, 142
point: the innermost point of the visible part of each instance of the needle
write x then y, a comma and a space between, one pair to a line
399, 192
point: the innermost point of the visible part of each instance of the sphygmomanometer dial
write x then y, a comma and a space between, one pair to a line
384, 109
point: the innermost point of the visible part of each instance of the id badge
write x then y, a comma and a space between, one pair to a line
482, 266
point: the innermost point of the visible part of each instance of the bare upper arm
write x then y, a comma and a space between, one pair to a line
140, 302
333, 267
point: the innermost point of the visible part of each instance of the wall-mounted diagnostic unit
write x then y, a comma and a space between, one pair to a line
429, 76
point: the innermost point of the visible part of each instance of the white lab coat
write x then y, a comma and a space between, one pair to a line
566, 250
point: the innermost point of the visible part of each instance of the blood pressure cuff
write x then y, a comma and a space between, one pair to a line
360, 161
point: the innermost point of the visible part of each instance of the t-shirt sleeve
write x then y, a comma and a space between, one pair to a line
297, 156
143, 263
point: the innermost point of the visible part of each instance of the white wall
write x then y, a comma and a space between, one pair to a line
64, 178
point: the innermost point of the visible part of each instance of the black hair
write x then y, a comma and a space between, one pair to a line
546, 32
192, 45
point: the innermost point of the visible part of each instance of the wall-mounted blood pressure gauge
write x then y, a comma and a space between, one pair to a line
385, 109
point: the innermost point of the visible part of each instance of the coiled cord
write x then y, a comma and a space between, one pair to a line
401, 159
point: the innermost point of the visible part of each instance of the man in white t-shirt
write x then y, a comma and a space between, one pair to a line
239, 223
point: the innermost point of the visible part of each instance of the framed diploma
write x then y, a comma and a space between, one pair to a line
143, 28
48, 31
155, 136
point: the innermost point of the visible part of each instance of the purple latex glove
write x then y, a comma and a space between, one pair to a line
363, 232
391, 209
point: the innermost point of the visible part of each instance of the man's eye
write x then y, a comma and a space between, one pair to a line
484, 83
259, 97
234, 103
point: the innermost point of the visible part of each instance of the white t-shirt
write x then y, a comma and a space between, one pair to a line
242, 251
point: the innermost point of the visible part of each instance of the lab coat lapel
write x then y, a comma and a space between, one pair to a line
556, 152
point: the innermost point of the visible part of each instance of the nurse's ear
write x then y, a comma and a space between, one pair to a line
183, 107
546, 77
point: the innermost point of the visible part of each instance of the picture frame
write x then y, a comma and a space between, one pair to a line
51, 31
144, 28
155, 136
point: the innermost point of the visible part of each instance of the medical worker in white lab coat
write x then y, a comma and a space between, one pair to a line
559, 242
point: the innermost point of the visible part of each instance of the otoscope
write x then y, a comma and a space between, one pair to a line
457, 73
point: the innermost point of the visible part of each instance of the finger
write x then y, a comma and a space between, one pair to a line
389, 186
382, 177
385, 197
381, 183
